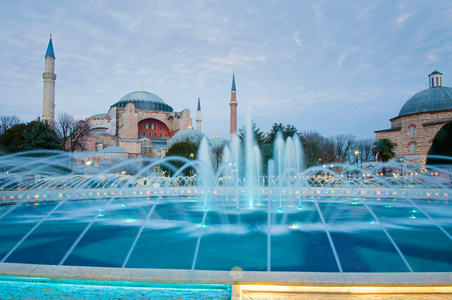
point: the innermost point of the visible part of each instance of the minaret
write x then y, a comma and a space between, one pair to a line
198, 118
233, 105
48, 107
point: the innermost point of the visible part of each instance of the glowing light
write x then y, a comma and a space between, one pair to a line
101, 215
388, 206
300, 207
130, 220
413, 210
280, 209
293, 226
123, 204
412, 217
354, 203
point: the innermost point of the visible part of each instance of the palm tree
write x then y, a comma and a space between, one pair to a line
383, 150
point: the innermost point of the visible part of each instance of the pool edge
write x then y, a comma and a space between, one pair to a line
234, 277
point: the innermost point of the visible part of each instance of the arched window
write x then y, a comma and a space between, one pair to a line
413, 148
412, 132
112, 142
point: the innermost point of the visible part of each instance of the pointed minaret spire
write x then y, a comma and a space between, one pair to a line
198, 119
49, 52
142, 89
233, 83
233, 104
48, 106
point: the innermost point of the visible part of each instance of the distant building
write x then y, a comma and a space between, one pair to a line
420, 119
140, 122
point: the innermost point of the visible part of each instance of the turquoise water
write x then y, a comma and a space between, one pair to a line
231, 238
42, 288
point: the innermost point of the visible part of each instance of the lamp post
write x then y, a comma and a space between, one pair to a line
357, 159
192, 156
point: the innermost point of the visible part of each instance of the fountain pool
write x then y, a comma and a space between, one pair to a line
316, 234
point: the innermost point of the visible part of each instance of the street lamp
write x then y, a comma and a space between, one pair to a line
192, 156
356, 156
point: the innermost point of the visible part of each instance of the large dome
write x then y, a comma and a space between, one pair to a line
432, 99
143, 100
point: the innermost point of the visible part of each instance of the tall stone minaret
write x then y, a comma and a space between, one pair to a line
48, 107
198, 118
233, 105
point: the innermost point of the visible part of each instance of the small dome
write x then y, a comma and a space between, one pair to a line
432, 99
218, 143
188, 135
143, 100
113, 149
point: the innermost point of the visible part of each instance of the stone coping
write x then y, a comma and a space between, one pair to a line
233, 277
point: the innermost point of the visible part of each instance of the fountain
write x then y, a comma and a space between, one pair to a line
234, 220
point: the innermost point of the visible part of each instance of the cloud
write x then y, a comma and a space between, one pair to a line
402, 18
297, 40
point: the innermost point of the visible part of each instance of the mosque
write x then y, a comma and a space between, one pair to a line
420, 119
139, 124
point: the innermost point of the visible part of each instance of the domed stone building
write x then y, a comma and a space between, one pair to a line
140, 122
420, 119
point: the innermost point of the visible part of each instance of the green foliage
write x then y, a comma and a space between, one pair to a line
384, 149
184, 149
258, 134
39, 136
288, 130
442, 146
12, 140
32, 136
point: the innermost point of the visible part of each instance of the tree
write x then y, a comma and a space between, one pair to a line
442, 146
288, 130
343, 147
258, 135
384, 151
12, 139
6, 122
184, 149
40, 136
71, 132
316, 148
364, 147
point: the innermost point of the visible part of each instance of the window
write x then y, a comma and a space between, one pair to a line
433, 82
155, 134
112, 142
160, 134
145, 148
161, 127
149, 134
105, 140
413, 148
412, 132
97, 141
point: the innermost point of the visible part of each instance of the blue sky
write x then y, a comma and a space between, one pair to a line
336, 67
